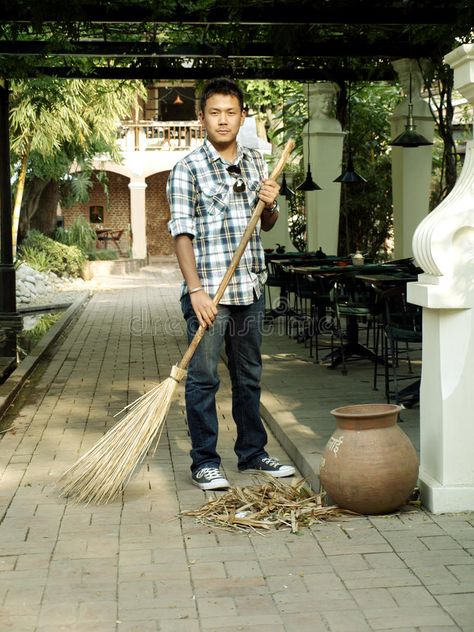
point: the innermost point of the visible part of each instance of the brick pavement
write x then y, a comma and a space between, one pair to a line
135, 566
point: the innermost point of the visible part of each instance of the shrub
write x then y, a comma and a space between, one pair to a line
102, 255
81, 234
45, 254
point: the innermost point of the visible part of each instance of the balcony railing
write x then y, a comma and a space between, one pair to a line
169, 135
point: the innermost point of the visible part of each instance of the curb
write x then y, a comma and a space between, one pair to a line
297, 440
11, 387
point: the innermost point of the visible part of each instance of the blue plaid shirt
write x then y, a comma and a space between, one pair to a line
205, 206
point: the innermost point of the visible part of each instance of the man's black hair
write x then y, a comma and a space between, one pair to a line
221, 86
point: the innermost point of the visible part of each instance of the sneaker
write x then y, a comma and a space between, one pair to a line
209, 478
269, 465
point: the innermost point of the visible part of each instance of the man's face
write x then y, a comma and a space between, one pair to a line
222, 118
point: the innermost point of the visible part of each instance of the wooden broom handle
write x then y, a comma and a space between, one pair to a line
237, 255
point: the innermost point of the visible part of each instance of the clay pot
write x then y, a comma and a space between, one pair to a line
369, 465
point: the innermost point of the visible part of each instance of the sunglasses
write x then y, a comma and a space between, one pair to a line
236, 172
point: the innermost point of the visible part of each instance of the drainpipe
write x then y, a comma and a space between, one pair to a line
9, 317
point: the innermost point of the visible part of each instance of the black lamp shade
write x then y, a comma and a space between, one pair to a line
285, 189
309, 184
410, 138
350, 176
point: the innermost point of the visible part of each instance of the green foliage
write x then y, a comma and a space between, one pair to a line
102, 255
45, 254
366, 209
36, 259
28, 339
80, 234
297, 221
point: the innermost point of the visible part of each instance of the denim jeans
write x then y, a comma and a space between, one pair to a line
240, 328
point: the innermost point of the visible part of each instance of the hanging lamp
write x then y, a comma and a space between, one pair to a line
410, 137
178, 100
285, 189
350, 175
309, 184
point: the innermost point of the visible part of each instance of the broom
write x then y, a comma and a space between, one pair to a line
104, 471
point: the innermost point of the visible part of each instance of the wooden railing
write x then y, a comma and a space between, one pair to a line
169, 135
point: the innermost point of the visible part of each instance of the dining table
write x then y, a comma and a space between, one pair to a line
372, 274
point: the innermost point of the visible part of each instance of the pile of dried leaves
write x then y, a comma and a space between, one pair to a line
272, 504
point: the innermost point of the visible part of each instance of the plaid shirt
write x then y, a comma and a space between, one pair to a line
205, 206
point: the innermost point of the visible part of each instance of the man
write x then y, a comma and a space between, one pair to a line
212, 193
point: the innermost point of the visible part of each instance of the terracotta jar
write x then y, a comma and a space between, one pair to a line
369, 464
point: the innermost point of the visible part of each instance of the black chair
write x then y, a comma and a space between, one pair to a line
355, 309
402, 324
273, 280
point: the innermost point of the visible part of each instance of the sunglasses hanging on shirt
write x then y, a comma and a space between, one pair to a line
236, 172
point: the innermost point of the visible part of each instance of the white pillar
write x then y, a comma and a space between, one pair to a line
411, 167
326, 140
443, 245
138, 218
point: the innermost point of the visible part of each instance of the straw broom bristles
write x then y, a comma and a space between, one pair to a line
103, 472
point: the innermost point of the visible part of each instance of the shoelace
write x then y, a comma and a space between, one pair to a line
271, 461
210, 472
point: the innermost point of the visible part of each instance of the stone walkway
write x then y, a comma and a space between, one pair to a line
134, 565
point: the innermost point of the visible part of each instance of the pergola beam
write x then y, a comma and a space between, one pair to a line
330, 47
178, 72
266, 13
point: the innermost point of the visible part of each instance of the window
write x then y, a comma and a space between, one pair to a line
96, 214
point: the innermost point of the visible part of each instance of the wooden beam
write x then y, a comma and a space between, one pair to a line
331, 47
266, 12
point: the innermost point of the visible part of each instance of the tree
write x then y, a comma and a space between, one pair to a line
54, 125
366, 208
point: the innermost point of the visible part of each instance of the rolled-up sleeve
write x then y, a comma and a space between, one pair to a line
181, 197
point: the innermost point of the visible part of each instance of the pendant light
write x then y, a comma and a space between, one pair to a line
309, 184
178, 100
410, 137
285, 189
350, 175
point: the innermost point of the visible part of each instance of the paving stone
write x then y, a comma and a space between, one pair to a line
409, 596
373, 598
258, 622
344, 621
388, 618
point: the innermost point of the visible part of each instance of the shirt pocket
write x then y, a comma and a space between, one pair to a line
213, 199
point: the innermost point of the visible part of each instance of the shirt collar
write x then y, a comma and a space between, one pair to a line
214, 155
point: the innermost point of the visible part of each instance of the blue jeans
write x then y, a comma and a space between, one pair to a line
240, 327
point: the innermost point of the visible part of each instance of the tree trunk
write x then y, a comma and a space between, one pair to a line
33, 190
44, 216
18, 200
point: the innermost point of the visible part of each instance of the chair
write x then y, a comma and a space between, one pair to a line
273, 280
402, 324
115, 236
354, 306
323, 321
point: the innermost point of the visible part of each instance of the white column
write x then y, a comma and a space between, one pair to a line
326, 140
411, 167
443, 245
138, 218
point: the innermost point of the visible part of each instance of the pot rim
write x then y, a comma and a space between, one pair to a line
356, 411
